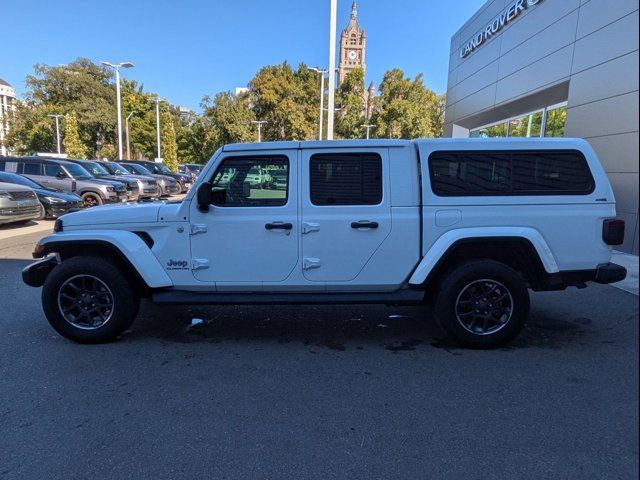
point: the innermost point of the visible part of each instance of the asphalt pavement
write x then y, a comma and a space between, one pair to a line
318, 392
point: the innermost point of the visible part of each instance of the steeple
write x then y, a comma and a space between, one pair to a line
353, 21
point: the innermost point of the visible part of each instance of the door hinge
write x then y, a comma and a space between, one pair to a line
199, 264
308, 227
196, 228
311, 263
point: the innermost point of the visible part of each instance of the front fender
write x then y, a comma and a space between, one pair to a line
440, 247
128, 244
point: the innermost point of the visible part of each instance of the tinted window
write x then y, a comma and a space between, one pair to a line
469, 173
31, 169
250, 182
550, 172
534, 172
346, 179
51, 169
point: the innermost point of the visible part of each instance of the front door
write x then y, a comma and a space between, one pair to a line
250, 234
56, 177
346, 214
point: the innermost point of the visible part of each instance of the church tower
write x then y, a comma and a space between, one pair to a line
353, 43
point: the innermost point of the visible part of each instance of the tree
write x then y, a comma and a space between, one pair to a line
169, 145
350, 97
406, 108
31, 130
73, 146
230, 117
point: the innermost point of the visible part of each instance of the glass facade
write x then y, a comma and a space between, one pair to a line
547, 122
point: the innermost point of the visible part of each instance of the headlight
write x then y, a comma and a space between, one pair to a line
55, 200
4, 194
111, 189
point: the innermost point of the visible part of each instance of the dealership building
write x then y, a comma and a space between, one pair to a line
553, 68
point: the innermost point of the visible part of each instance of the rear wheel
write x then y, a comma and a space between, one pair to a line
87, 300
483, 304
91, 200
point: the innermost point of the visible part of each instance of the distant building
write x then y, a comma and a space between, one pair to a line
241, 91
185, 112
7, 105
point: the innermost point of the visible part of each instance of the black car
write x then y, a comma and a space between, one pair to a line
161, 169
55, 203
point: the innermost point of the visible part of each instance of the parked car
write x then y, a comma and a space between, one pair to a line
66, 176
466, 225
158, 168
18, 204
190, 169
279, 179
54, 203
98, 171
147, 185
168, 185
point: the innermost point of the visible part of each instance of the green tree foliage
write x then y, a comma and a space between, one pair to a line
31, 130
231, 117
287, 100
169, 144
73, 146
351, 98
406, 108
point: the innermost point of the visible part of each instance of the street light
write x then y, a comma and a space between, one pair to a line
322, 74
158, 100
332, 66
368, 127
126, 127
259, 123
57, 117
117, 67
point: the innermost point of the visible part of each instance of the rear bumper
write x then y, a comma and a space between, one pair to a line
35, 274
610, 273
604, 273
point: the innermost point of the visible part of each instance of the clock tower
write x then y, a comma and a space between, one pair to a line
353, 43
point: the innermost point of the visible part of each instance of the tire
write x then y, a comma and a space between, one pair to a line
482, 304
43, 213
111, 283
91, 200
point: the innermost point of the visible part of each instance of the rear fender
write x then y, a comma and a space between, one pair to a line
447, 240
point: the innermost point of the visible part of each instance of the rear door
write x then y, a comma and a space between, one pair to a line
346, 214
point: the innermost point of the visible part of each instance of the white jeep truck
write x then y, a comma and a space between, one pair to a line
467, 225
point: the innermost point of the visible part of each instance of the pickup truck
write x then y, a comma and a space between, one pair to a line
467, 225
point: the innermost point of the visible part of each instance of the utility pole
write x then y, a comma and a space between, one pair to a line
117, 67
57, 117
332, 66
259, 123
368, 127
126, 128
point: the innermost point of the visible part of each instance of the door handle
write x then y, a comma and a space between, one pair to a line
364, 224
278, 226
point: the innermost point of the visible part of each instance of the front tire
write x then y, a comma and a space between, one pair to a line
91, 200
482, 304
87, 300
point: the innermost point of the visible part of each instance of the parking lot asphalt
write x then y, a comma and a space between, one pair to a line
318, 392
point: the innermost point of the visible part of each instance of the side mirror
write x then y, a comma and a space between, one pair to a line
204, 196
61, 175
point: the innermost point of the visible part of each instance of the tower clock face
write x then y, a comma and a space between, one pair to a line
352, 55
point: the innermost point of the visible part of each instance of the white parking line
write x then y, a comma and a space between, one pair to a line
9, 231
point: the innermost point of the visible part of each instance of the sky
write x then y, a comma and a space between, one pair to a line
186, 49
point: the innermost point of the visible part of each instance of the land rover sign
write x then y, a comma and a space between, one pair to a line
507, 16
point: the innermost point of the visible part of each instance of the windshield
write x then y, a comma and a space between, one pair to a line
139, 169
77, 171
19, 180
116, 169
94, 168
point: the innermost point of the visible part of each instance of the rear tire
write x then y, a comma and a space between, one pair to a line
89, 300
482, 304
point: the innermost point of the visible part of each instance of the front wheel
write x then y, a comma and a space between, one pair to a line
91, 200
87, 300
482, 304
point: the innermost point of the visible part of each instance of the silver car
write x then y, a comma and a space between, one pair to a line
18, 204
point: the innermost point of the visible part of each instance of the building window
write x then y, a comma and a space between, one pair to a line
548, 122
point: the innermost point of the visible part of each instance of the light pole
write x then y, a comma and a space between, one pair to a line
332, 67
126, 127
322, 74
368, 127
57, 117
158, 100
117, 67
259, 123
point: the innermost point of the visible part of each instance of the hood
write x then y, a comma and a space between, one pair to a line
69, 197
117, 178
108, 214
111, 183
169, 180
14, 187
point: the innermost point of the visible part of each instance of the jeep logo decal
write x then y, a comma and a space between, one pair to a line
177, 264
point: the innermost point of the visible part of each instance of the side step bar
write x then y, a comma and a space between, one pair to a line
179, 297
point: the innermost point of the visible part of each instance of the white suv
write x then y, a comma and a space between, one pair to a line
468, 225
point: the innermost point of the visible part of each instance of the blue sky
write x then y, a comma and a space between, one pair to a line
186, 49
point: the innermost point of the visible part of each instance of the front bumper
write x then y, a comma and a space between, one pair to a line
19, 213
119, 198
59, 210
35, 274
